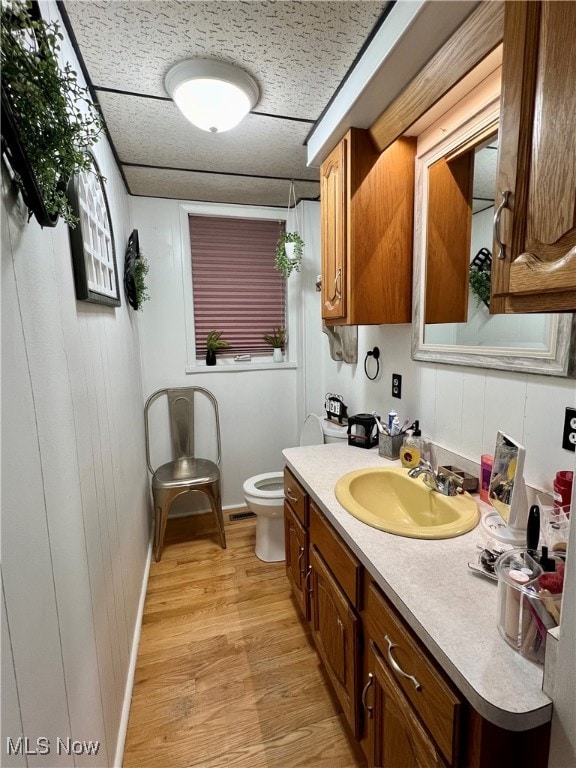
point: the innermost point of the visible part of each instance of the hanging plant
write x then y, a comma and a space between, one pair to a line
48, 119
290, 246
289, 259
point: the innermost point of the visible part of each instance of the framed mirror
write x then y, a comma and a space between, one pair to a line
456, 169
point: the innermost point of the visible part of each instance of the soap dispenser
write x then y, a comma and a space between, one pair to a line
414, 447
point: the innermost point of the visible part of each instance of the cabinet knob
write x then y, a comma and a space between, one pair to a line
289, 495
497, 237
369, 710
396, 667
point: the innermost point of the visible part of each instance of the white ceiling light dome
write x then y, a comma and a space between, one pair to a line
211, 94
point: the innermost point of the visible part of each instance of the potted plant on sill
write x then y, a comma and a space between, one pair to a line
214, 342
48, 119
277, 340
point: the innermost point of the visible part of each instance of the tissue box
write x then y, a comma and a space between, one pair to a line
389, 445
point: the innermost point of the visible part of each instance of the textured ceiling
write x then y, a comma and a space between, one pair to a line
298, 51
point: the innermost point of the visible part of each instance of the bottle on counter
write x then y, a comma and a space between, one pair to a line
414, 448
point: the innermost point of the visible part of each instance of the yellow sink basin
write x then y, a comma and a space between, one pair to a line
386, 498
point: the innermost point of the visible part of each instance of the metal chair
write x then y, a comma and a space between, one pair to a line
185, 472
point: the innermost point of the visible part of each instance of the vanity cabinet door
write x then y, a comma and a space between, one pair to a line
537, 161
398, 738
336, 632
296, 544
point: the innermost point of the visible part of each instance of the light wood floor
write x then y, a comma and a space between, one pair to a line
227, 674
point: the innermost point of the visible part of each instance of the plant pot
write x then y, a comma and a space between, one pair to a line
289, 248
210, 357
277, 355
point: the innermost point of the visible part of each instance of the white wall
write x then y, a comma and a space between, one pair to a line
257, 403
75, 510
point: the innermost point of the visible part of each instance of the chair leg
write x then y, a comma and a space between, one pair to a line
162, 501
213, 493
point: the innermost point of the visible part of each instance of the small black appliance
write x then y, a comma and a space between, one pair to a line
362, 430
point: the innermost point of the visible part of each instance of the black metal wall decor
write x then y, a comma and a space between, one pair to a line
92, 240
132, 256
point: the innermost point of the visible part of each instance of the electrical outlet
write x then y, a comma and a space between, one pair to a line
396, 385
569, 434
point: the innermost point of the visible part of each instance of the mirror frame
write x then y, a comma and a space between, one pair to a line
559, 358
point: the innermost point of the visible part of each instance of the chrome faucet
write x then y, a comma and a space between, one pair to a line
436, 481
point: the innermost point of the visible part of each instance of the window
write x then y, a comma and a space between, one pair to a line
236, 288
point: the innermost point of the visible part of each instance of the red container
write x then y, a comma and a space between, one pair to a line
563, 491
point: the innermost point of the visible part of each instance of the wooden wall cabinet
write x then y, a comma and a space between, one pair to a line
537, 161
367, 212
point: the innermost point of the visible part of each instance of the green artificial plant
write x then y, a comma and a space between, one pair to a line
214, 341
141, 269
284, 263
55, 118
276, 338
479, 280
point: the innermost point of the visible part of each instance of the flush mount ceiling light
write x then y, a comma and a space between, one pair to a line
213, 95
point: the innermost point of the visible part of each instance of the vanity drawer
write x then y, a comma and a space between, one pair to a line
430, 694
296, 496
343, 564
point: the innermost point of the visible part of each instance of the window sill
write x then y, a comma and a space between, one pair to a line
223, 366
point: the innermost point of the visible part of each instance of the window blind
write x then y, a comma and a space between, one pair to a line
236, 288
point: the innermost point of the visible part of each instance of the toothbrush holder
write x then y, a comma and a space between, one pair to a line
389, 445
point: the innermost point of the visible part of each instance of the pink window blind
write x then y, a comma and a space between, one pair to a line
236, 288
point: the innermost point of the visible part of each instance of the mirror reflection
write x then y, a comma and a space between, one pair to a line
472, 183
456, 171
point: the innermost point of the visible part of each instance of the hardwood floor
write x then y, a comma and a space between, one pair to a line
227, 674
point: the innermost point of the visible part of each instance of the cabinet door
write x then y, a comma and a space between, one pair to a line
296, 544
335, 628
333, 226
399, 740
537, 161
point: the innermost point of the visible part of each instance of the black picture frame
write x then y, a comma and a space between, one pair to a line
92, 239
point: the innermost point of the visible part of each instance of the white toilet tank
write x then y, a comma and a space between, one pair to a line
317, 430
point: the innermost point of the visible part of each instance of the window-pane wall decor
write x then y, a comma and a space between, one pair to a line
236, 288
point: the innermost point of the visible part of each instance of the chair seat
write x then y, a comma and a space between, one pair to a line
176, 473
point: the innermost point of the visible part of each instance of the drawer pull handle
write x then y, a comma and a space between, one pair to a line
369, 710
289, 495
307, 586
299, 565
396, 667
504, 204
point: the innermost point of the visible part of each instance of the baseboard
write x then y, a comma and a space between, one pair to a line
123, 728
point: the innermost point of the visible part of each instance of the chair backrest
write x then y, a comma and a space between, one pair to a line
181, 414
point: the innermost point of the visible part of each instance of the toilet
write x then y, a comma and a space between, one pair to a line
264, 494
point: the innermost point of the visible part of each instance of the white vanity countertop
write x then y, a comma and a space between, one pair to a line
450, 608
